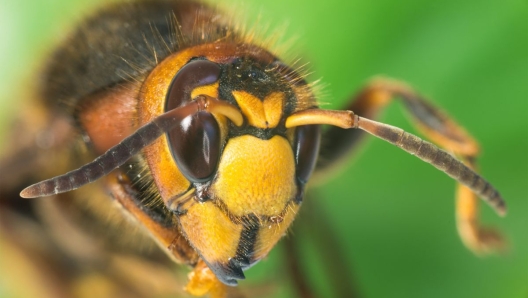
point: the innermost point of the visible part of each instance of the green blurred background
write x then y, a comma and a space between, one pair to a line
393, 215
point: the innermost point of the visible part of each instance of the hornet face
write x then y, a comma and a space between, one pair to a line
235, 189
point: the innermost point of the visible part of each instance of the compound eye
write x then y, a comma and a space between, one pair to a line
196, 146
195, 143
306, 148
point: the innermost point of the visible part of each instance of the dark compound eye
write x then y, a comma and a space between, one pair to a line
194, 74
306, 149
195, 143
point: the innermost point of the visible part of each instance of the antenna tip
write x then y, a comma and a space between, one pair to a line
501, 209
37, 190
30, 192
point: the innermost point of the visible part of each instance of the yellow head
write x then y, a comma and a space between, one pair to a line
235, 188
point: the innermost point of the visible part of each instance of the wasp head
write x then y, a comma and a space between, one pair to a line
235, 187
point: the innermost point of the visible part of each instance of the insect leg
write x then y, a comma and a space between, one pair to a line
434, 124
480, 240
166, 232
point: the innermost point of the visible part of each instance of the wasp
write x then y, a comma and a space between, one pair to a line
202, 139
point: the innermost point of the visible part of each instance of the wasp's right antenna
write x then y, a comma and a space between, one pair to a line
130, 146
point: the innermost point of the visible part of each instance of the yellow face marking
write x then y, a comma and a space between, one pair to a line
252, 108
273, 108
211, 232
270, 233
261, 113
256, 176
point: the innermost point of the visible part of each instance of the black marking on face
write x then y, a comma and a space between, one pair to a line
226, 273
259, 79
246, 244
261, 133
